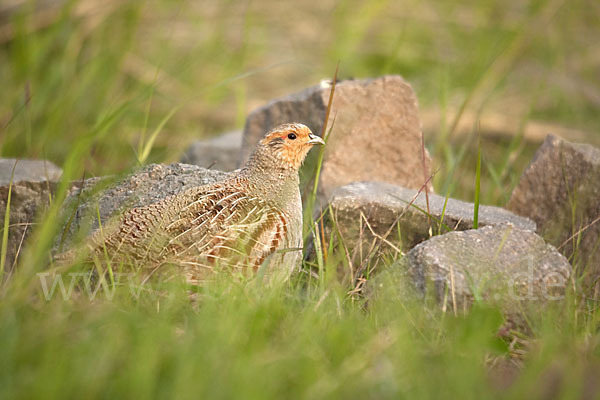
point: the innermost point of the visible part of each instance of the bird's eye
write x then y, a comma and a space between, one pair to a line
292, 136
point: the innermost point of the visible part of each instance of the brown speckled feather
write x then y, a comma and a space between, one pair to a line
218, 226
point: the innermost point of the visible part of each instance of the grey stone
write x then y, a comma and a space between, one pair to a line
376, 136
33, 183
385, 208
560, 191
500, 264
28, 171
221, 152
108, 198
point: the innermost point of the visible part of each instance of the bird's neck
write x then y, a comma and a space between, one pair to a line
270, 179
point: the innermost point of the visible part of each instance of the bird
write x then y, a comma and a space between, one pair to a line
249, 220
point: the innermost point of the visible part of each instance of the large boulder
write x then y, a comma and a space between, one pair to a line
107, 198
376, 136
32, 186
560, 191
496, 263
364, 212
221, 152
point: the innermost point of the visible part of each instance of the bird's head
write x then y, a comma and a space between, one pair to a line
287, 145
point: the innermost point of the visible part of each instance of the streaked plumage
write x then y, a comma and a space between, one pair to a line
252, 219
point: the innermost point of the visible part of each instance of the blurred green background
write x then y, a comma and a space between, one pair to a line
513, 70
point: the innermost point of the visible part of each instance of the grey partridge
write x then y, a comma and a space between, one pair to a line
251, 219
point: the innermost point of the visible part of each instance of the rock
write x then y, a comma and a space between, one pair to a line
149, 185
28, 171
33, 184
560, 191
221, 152
501, 264
376, 136
384, 206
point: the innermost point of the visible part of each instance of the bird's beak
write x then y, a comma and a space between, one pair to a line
314, 139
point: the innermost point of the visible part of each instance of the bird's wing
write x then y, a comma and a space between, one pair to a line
138, 234
208, 225
226, 226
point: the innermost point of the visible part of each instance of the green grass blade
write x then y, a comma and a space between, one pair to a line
443, 212
3, 252
477, 183
147, 112
147, 147
325, 134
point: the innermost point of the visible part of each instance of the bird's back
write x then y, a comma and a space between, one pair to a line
213, 226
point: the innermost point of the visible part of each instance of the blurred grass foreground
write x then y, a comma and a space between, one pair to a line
86, 83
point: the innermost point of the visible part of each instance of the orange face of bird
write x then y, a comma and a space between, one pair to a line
290, 143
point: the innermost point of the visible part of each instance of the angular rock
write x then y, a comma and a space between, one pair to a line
33, 184
376, 136
496, 263
149, 185
385, 208
221, 152
560, 191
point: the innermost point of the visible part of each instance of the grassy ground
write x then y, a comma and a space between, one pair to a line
104, 89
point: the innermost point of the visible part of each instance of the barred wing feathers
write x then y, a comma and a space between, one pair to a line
209, 226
